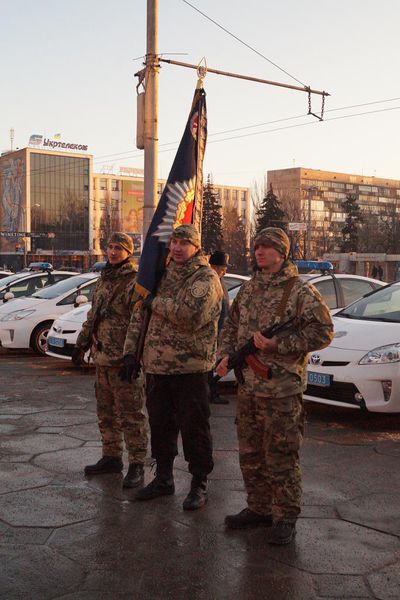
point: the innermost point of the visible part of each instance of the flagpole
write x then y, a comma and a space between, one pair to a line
151, 116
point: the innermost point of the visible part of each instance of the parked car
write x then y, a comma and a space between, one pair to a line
360, 368
5, 273
25, 322
29, 281
337, 289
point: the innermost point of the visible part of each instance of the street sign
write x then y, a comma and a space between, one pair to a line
297, 226
26, 234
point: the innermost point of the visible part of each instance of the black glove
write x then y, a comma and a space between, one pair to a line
148, 301
130, 369
77, 356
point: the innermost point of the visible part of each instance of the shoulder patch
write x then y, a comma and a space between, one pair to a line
199, 289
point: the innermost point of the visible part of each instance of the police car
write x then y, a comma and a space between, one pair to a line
337, 289
25, 322
25, 283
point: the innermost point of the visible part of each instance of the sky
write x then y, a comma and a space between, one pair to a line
68, 67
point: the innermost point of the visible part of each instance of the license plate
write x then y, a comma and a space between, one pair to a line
321, 379
53, 341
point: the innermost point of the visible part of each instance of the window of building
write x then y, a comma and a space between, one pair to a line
103, 184
115, 185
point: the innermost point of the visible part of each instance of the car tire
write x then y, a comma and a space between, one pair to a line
39, 336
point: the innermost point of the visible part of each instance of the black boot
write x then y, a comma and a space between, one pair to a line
107, 464
246, 519
134, 476
283, 533
197, 497
162, 485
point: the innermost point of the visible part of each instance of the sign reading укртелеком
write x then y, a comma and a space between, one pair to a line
43, 142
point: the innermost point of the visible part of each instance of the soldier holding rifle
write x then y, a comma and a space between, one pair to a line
270, 413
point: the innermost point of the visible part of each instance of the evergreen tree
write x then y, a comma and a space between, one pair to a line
235, 241
270, 212
353, 221
211, 221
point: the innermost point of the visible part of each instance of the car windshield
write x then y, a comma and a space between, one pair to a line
7, 280
381, 305
53, 291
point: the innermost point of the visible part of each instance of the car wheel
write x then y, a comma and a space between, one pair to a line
39, 338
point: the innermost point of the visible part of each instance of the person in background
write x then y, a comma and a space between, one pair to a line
219, 262
120, 404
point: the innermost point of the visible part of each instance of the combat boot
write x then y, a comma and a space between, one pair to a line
107, 464
134, 476
162, 485
283, 533
197, 497
247, 518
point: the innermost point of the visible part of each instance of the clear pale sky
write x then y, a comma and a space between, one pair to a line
67, 67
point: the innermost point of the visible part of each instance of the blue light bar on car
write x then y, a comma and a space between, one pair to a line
40, 266
317, 265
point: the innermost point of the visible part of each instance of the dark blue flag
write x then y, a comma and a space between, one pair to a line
181, 200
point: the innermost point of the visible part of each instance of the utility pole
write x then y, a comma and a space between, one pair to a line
151, 116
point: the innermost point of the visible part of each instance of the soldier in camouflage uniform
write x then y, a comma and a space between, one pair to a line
120, 405
270, 414
179, 351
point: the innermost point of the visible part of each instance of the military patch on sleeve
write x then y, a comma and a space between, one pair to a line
199, 289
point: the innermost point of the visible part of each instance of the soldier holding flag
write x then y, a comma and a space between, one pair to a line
178, 347
179, 351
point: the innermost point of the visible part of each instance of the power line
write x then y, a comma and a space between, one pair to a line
139, 154
243, 42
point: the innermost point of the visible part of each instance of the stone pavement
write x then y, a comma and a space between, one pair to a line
64, 537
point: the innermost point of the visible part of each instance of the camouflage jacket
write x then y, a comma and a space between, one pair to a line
112, 306
182, 333
256, 307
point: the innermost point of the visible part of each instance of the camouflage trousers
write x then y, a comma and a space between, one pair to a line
270, 432
121, 415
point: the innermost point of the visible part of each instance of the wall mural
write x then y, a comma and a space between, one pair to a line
12, 200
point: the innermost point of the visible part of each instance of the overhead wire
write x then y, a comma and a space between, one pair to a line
137, 154
243, 42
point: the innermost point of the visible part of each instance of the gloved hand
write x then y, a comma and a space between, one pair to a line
77, 356
147, 302
130, 369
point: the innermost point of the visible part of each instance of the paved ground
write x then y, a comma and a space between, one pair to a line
65, 537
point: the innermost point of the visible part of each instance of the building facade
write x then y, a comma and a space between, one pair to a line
313, 198
54, 208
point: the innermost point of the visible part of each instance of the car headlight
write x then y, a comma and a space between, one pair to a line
382, 355
16, 315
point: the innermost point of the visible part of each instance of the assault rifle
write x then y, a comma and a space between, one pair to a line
245, 354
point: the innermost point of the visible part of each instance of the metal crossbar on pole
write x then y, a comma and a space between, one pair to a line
306, 89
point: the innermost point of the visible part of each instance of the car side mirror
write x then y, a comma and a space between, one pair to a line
80, 300
8, 296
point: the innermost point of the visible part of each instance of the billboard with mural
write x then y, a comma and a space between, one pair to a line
12, 198
132, 205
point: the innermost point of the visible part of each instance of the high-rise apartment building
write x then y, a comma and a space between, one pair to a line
314, 197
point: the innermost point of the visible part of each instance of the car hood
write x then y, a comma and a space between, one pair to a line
77, 315
20, 304
356, 334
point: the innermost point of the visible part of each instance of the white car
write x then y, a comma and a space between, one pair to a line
337, 289
361, 366
25, 322
26, 283
64, 332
